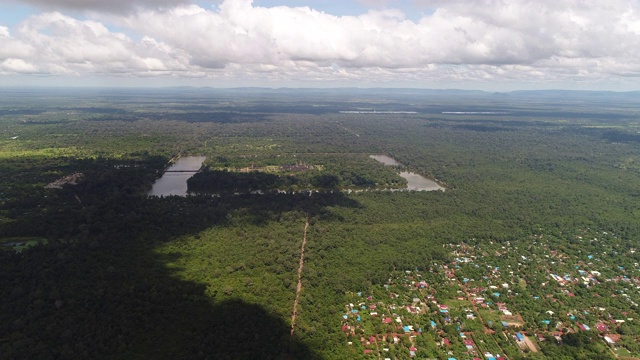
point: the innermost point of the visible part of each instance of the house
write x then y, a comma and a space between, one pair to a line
412, 351
614, 338
583, 327
519, 336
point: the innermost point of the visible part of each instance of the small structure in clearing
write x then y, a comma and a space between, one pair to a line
65, 180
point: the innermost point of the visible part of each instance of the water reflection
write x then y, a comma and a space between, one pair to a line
387, 160
174, 179
415, 181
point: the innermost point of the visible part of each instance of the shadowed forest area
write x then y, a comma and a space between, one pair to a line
101, 292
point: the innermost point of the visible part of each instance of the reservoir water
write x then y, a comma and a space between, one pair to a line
415, 181
174, 179
387, 160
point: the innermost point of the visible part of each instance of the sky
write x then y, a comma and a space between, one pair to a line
495, 45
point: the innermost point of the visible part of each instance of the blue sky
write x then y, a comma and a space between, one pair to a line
413, 10
13, 13
482, 44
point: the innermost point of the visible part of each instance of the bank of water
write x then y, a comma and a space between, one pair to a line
174, 179
415, 182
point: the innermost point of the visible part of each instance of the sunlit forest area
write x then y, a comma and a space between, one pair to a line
92, 267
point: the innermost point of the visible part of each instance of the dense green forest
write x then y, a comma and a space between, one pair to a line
94, 268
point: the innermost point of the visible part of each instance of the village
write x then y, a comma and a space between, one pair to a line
503, 300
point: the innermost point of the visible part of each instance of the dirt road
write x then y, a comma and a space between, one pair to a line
299, 287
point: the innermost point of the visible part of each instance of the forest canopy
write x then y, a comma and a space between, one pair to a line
539, 220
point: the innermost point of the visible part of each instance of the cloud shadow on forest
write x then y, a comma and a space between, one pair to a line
101, 291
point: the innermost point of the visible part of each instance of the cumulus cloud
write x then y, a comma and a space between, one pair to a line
487, 40
17, 66
118, 6
59, 44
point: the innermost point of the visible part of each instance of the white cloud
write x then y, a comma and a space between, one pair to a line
59, 44
17, 66
118, 6
481, 41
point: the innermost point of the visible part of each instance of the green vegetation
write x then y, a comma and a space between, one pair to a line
344, 171
542, 186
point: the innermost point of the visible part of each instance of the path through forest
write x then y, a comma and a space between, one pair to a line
299, 287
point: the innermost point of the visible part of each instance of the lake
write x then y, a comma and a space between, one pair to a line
387, 160
415, 181
174, 179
